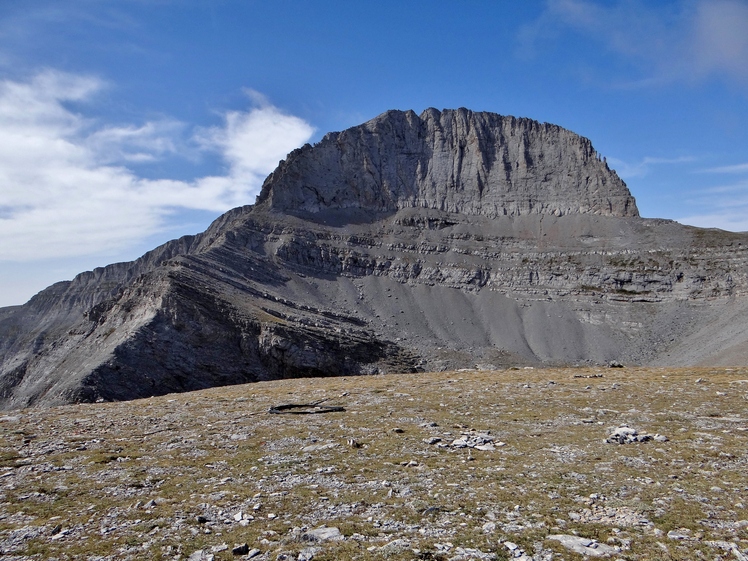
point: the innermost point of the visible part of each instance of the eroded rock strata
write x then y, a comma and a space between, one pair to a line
451, 239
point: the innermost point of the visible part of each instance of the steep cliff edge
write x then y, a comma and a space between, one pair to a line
447, 240
456, 161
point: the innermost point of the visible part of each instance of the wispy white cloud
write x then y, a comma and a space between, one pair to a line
641, 168
719, 206
739, 187
736, 168
730, 220
664, 43
266, 130
67, 184
129, 143
720, 38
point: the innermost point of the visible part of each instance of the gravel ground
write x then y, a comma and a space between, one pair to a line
450, 466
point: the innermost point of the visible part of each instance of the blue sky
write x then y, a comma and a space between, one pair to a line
126, 123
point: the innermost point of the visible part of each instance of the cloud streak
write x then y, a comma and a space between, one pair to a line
722, 206
641, 168
67, 185
720, 38
736, 168
687, 42
732, 218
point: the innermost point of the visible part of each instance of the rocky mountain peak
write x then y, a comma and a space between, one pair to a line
440, 241
460, 161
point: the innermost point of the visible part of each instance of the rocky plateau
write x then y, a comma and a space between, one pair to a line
627, 464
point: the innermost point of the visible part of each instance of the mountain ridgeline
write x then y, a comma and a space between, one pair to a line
453, 239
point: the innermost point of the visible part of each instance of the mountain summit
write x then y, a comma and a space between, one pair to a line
453, 239
454, 161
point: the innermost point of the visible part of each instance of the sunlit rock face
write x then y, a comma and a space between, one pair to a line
455, 161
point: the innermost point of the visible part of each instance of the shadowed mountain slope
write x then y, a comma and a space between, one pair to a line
446, 240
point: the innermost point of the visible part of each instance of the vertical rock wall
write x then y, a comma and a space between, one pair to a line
455, 161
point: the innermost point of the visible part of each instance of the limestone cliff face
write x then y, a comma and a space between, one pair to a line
455, 161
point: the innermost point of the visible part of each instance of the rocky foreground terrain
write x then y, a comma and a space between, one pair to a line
524, 464
451, 239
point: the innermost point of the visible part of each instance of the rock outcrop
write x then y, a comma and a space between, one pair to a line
455, 161
450, 240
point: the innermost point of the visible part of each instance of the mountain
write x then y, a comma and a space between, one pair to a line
449, 239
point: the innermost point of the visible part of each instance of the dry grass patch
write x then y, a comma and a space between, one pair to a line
164, 477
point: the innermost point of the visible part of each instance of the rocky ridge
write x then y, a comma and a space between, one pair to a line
453, 239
